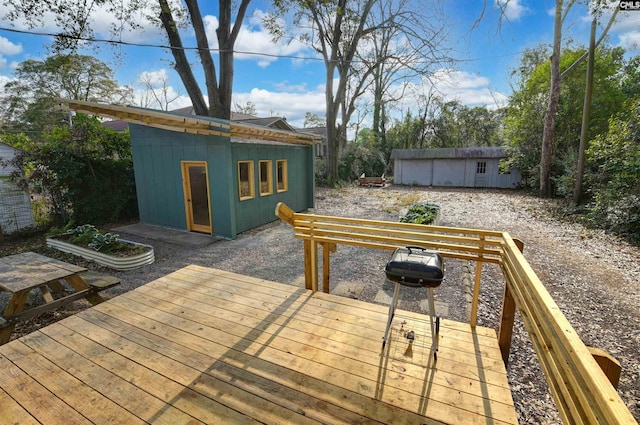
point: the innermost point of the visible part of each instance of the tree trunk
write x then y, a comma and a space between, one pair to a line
182, 66
546, 154
208, 66
586, 112
331, 118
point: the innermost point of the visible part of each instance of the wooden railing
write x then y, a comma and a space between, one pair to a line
582, 391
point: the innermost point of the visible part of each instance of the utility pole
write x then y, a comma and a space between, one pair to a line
586, 112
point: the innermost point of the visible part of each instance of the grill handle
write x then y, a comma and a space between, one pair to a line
416, 248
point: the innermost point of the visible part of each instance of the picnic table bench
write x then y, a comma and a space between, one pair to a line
22, 273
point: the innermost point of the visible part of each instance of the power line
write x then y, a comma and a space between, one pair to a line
158, 46
240, 52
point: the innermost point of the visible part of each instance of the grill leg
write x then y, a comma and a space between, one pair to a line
435, 327
392, 312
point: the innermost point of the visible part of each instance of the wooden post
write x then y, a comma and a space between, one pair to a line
609, 365
314, 265
476, 287
14, 306
325, 267
307, 264
508, 316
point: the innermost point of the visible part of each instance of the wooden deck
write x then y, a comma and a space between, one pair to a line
205, 346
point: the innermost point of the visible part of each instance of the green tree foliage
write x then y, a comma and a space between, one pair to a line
86, 171
454, 125
616, 183
76, 20
524, 121
362, 156
29, 101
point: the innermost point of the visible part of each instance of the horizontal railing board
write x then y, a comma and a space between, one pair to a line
581, 390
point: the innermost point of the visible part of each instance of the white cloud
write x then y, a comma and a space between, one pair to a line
513, 9
153, 89
469, 89
155, 78
101, 22
8, 48
255, 38
627, 29
291, 105
630, 40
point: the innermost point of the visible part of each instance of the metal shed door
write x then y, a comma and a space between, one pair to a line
195, 180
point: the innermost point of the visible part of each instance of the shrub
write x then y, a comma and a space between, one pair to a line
422, 213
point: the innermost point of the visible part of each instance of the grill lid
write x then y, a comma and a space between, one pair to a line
415, 266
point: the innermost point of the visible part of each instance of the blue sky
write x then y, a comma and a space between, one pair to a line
291, 87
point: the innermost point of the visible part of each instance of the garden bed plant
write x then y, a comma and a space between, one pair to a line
422, 213
88, 236
102, 247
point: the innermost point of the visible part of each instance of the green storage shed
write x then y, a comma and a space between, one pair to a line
211, 176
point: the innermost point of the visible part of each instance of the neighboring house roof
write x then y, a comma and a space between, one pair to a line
190, 124
449, 153
116, 125
318, 131
271, 122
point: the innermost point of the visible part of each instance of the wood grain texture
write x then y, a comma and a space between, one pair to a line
206, 346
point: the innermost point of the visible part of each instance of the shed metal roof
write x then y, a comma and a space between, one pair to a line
449, 153
194, 125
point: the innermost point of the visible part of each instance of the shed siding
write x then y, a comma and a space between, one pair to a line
448, 172
261, 209
413, 171
452, 172
157, 156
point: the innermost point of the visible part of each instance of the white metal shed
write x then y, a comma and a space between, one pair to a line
453, 167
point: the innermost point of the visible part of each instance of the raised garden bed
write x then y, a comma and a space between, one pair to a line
372, 181
103, 248
422, 213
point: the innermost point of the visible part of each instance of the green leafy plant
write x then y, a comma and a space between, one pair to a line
102, 240
85, 228
421, 213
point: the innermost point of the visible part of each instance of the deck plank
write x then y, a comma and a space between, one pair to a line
87, 401
207, 346
399, 386
13, 413
367, 351
150, 398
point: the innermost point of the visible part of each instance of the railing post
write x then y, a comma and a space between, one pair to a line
311, 261
476, 286
325, 267
311, 265
508, 315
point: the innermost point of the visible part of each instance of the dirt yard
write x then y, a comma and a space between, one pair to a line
594, 278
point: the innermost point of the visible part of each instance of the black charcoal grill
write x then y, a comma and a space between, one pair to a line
415, 267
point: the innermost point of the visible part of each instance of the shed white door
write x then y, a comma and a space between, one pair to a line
196, 196
482, 173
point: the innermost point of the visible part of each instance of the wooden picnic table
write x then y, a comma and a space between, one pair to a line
22, 273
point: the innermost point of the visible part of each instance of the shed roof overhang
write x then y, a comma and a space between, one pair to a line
192, 125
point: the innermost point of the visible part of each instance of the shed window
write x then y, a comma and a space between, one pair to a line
481, 167
282, 178
245, 180
266, 178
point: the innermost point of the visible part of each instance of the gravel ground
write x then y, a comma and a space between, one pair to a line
594, 278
